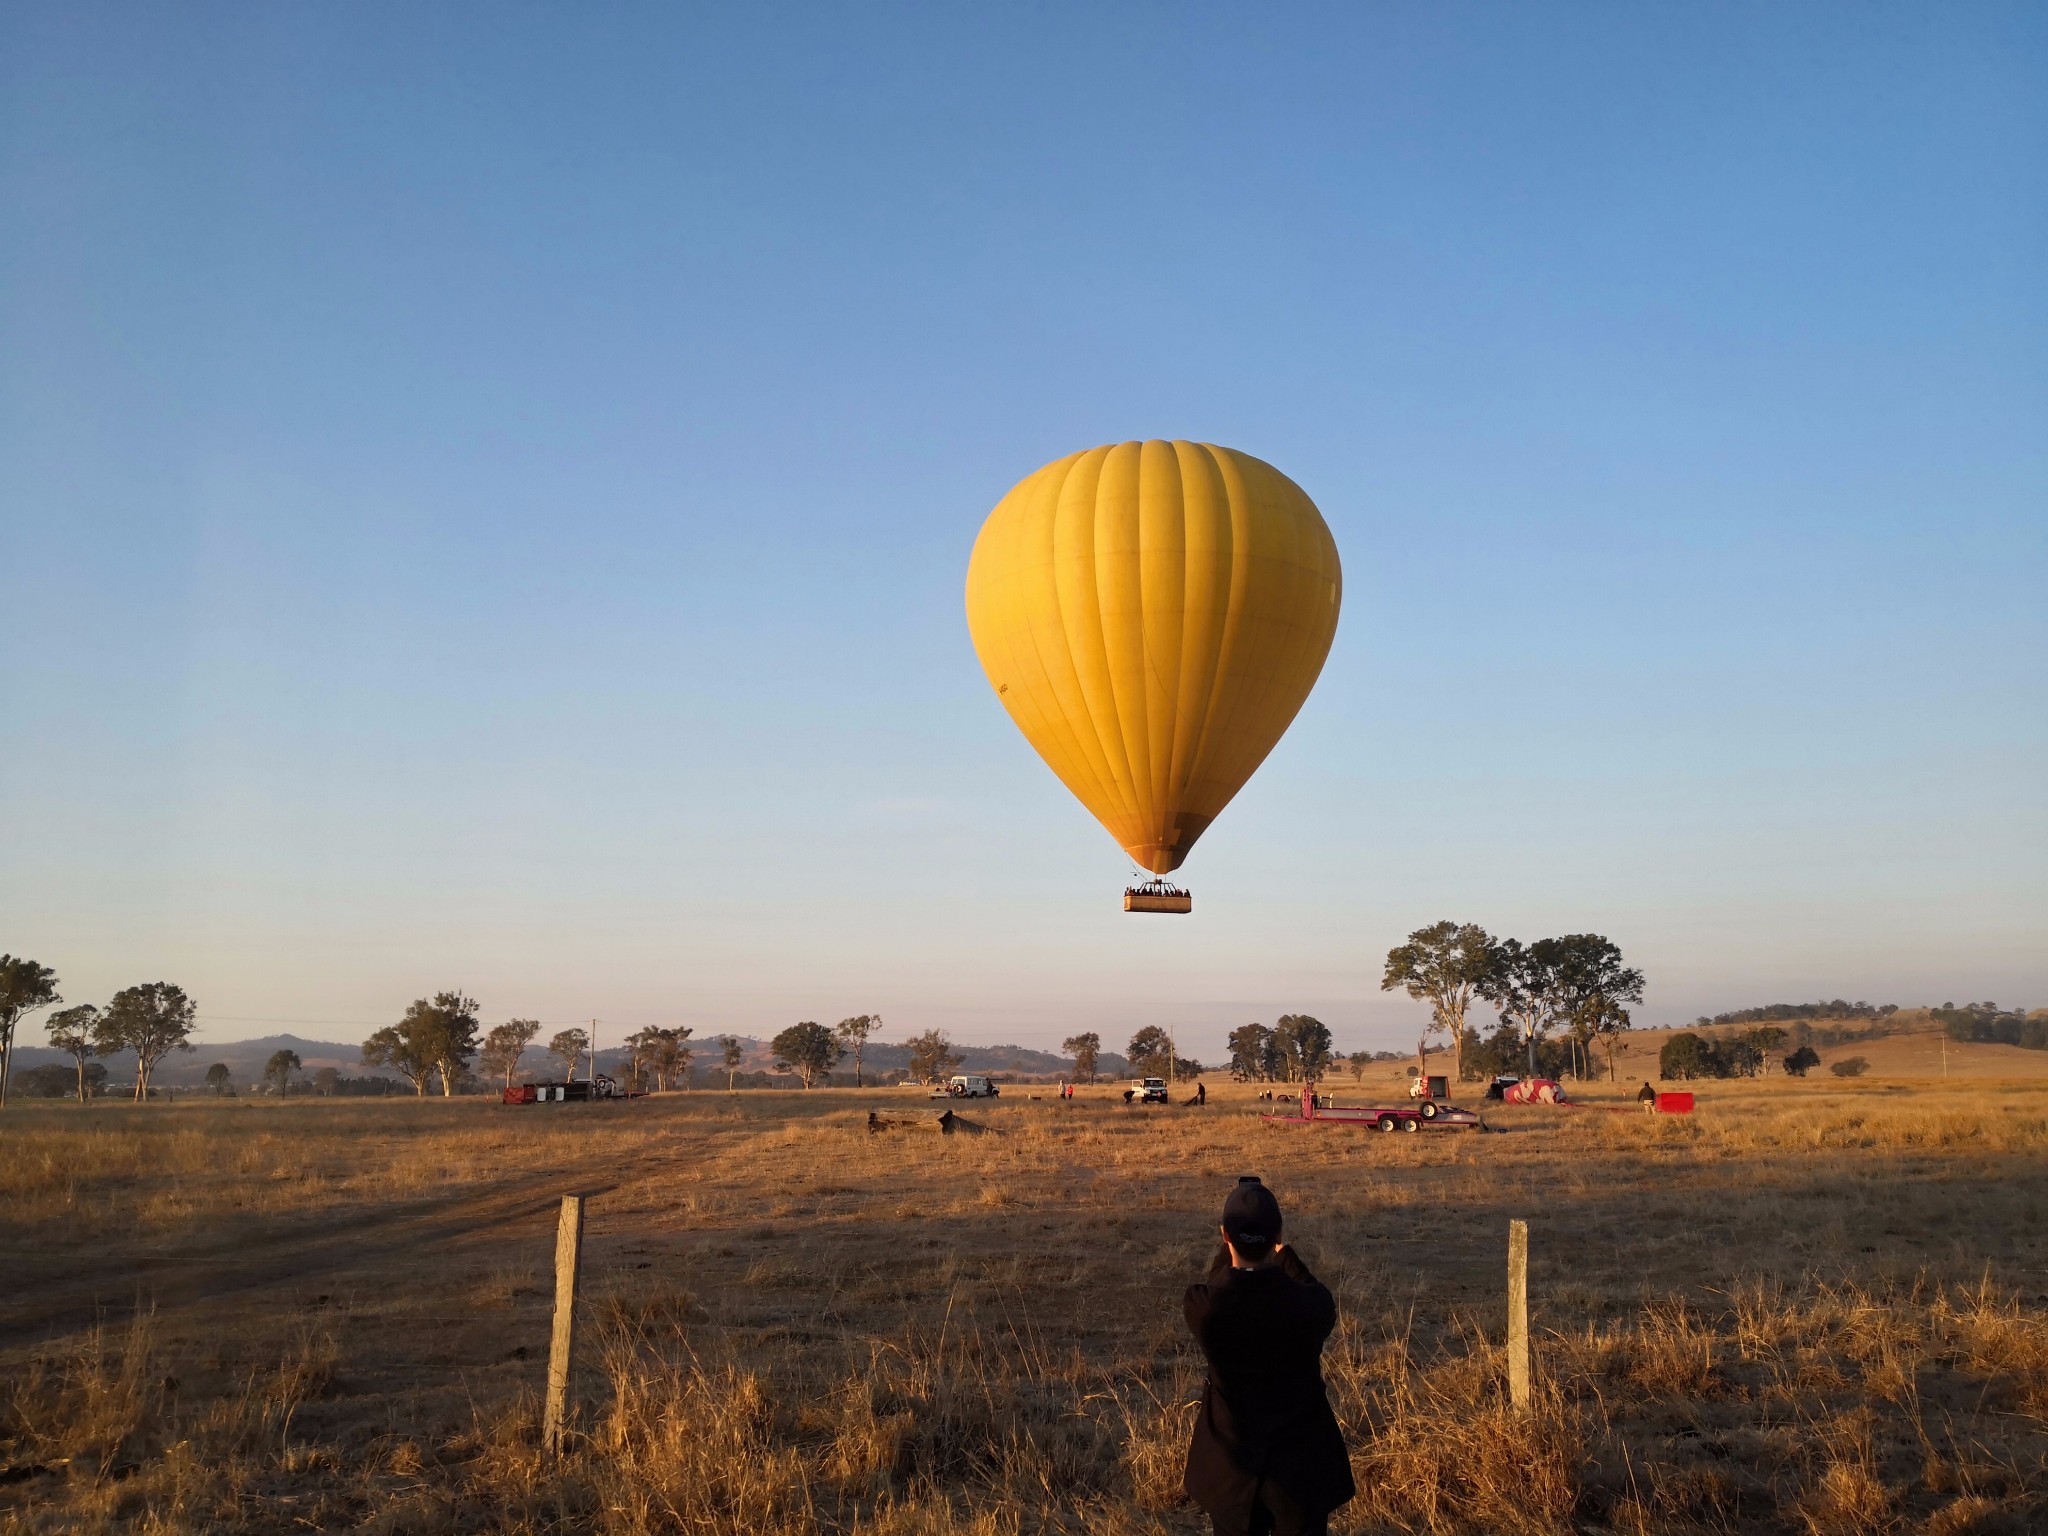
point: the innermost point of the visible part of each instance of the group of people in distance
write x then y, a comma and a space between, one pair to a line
1199, 1096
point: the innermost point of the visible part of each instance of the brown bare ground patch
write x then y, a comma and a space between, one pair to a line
1808, 1309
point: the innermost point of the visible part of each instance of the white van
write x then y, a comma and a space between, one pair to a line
971, 1087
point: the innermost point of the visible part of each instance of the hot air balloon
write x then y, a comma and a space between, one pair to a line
1152, 615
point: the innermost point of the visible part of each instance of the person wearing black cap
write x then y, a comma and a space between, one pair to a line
1267, 1455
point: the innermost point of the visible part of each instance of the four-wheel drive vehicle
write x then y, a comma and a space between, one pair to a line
1149, 1090
968, 1086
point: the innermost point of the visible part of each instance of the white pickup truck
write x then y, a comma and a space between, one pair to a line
967, 1086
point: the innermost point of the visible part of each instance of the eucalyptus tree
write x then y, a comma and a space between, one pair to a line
25, 988
151, 1020
855, 1033
810, 1049
1443, 965
74, 1031
504, 1045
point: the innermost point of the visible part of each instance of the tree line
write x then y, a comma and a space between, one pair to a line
1555, 998
152, 1020
1749, 1054
439, 1037
1987, 1023
1787, 1012
439, 1043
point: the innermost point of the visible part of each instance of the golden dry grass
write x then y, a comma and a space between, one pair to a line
1809, 1309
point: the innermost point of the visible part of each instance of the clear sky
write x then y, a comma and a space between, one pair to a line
486, 492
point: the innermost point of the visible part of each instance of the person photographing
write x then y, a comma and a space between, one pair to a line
1267, 1457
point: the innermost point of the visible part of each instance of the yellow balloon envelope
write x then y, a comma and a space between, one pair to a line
1152, 615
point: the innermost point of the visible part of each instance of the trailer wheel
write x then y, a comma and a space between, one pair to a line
1429, 1111
1385, 1122
1411, 1125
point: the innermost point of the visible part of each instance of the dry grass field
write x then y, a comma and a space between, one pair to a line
1814, 1307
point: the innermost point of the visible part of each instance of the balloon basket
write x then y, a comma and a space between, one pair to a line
1157, 896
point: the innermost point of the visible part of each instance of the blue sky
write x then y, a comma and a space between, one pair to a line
487, 492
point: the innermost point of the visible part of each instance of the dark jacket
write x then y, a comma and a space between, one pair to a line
1264, 1411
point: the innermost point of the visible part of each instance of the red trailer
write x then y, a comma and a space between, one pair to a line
1430, 1114
568, 1093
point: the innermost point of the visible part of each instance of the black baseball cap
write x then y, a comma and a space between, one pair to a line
1251, 1214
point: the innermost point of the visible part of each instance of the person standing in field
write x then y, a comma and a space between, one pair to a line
1267, 1457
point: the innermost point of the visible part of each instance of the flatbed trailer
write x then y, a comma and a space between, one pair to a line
570, 1092
1412, 1117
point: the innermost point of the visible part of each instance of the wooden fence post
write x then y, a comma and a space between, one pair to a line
1518, 1313
568, 1259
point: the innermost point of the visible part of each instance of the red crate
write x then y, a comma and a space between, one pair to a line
1674, 1103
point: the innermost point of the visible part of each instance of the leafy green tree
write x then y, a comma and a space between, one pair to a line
1687, 1055
73, 1031
1086, 1051
49, 1081
932, 1057
1359, 1061
279, 1070
730, 1054
25, 988
218, 1078
1764, 1039
1802, 1061
504, 1046
1737, 1058
1609, 1021
1523, 984
810, 1049
1443, 965
659, 1053
1251, 1053
1305, 1046
437, 1035
568, 1047
443, 1030
395, 1047
1150, 1051
855, 1033
327, 1082
151, 1020
1588, 984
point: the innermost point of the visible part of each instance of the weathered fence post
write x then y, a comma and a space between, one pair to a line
568, 1258
1518, 1313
